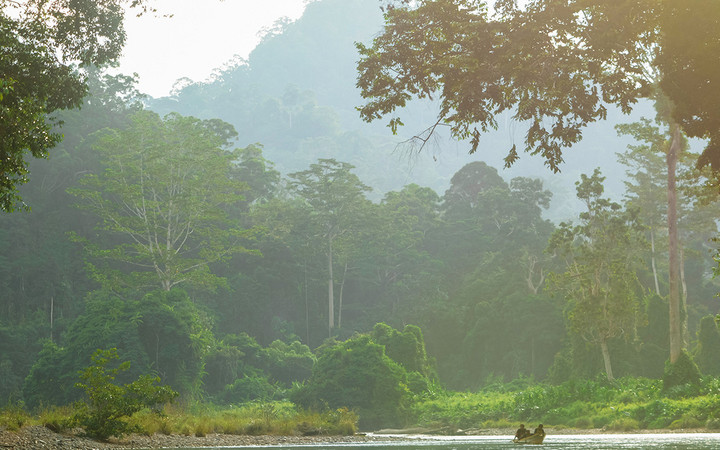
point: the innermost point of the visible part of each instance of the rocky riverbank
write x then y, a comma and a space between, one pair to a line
39, 437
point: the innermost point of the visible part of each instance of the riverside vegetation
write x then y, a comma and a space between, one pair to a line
381, 391
629, 404
264, 287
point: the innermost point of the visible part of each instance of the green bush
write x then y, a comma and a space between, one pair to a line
357, 374
14, 417
287, 363
683, 372
686, 422
682, 391
583, 422
222, 367
406, 347
713, 424
249, 388
659, 423
108, 405
51, 378
601, 420
57, 419
417, 383
624, 424
706, 353
164, 331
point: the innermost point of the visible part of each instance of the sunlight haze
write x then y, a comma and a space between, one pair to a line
200, 37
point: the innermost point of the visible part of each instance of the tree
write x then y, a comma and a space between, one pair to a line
165, 333
486, 215
601, 258
554, 65
706, 355
395, 259
108, 404
647, 188
689, 57
463, 217
358, 374
648, 191
406, 347
162, 201
489, 252
257, 173
43, 43
336, 197
34, 243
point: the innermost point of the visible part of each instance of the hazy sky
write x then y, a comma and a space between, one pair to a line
201, 36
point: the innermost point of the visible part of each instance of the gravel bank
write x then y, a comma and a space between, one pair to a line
39, 437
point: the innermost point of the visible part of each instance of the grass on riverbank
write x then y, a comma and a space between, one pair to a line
628, 404
277, 418
625, 405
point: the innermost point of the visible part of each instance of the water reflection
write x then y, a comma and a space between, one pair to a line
674, 441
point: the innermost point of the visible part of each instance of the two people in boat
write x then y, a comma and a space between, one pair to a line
523, 432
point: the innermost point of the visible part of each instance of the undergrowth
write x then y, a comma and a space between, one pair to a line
624, 405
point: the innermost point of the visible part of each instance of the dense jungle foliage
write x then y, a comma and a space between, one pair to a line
244, 240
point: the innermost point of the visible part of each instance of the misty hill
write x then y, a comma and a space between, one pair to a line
296, 96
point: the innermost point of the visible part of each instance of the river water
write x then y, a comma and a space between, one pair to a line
675, 441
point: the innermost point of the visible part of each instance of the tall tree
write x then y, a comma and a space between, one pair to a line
161, 202
398, 258
648, 191
646, 188
601, 257
553, 65
335, 196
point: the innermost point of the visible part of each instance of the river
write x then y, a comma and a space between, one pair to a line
665, 441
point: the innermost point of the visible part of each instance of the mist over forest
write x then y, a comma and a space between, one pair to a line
241, 236
296, 96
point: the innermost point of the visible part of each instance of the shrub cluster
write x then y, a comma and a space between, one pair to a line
627, 404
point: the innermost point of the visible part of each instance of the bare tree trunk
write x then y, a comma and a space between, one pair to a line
331, 299
606, 359
532, 262
307, 310
676, 343
652, 260
340, 300
683, 305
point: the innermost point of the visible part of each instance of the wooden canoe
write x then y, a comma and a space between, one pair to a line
532, 439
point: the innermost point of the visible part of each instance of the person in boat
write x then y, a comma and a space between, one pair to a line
539, 431
522, 432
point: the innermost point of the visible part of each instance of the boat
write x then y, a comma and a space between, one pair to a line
532, 439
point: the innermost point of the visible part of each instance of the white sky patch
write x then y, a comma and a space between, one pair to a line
201, 36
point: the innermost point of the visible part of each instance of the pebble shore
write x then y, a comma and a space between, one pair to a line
41, 438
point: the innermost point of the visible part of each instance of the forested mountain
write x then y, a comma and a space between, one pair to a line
296, 95
226, 236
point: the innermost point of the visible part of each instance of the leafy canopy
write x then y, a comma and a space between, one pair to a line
162, 198
551, 65
46, 45
602, 256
